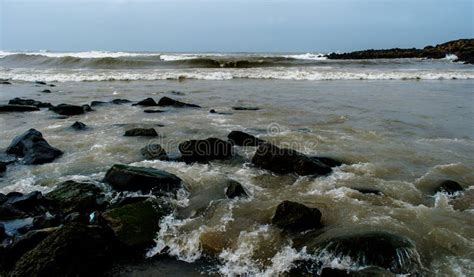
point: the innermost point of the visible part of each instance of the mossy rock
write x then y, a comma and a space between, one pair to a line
72, 196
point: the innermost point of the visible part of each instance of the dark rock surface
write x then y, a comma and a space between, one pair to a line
40, 83
141, 132
33, 148
131, 178
153, 111
72, 196
68, 110
243, 139
154, 151
235, 189
46, 91
283, 161
292, 216
17, 108
29, 102
5, 83
148, 102
330, 162
242, 108
205, 150
79, 125
449, 187
166, 101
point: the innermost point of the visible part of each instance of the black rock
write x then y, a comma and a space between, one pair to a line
120, 101
3, 235
240, 108
154, 151
32, 203
144, 132
17, 108
166, 101
71, 196
7, 212
292, 216
98, 103
46, 91
131, 178
235, 189
87, 108
51, 85
128, 200
40, 82
29, 102
79, 126
449, 187
283, 161
5, 83
153, 111
328, 161
205, 150
68, 110
149, 102
243, 139
73, 250
3, 198
3, 168
33, 148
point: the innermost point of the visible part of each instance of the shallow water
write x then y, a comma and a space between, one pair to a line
397, 136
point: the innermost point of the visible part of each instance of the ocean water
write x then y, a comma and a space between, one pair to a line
400, 125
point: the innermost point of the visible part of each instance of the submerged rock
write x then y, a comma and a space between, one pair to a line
166, 101
29, 102
292, 216
46, 91
98, 103
17, 108
68, 110
87, 108
243, 139
241, 108
221, 113
205, 150
368, 191
33, 148
283, 161
153, 111
40, 83
120, 101
154, 151
149, 102
235, 189
136, 225
73, 250
3, 168
449, 187
71, 196
79, 125
331, 162
5, 83
132, 178
141, 132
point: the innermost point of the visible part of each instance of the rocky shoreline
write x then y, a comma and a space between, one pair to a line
81, 227
463, 49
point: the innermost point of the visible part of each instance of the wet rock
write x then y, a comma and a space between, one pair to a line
3, 235
166, 101
79, 125
8, 213
3, 168
154, 152
23, 244
17, 108
136, 225
29, 102
46, 91
68, 110
5, 83
46, 221
449, 187
153, 111
221, 113
368, 191
374, 249
87, 108
52, 85
98, 103
243, 139
143, 132
33, 148
128, 200
149, 102
7, 158
120, 101
131, 178
284, 161
241, 108
330, 162
40, 83
32, 203
71, 196
292, 216
205, 150
3, 198
235, 189
73, 250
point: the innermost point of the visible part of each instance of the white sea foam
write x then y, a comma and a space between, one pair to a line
307, 56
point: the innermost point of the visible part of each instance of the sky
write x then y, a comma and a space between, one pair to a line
231, 26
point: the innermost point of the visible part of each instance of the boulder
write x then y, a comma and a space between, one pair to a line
166, 101
136, 225
68, 110
154, 151
449, 187
132, 178
241, 108
40, 83
79, 125
149, 102
33, 148
31, 203
73, 250
46, 91
8, 212
243, 139
330, 162
205, 150
141, 132
292, 216
5, 83
153, 111
29, 102
98, 103
71, 196
373, 249
284, 161
17, 108
235, 189
120, 101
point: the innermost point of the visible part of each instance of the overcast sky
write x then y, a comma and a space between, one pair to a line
231, 26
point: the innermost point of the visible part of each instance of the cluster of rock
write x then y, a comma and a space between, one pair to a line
462, 48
